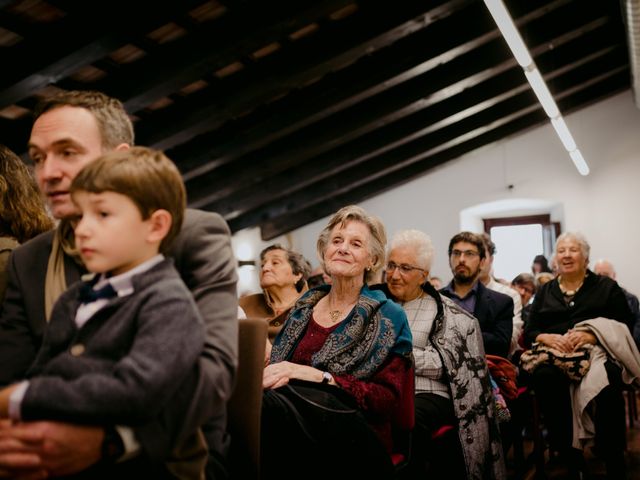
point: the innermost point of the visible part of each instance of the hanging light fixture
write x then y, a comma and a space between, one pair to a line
523, 57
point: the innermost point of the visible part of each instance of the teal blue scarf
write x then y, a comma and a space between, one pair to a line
376, 328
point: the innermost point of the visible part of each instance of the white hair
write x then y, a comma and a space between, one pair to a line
579, 238
419, 241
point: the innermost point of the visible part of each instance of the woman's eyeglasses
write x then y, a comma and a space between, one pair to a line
403, 268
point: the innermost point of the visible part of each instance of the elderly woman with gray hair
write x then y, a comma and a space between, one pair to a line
283, 278
452, 380
343, 346
576, 296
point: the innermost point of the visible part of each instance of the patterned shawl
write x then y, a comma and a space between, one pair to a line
360, 344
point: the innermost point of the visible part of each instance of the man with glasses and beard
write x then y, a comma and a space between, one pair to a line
493, 310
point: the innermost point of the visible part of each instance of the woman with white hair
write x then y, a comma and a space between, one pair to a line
575, 296
452, 382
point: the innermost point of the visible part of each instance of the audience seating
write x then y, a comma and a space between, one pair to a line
403, 425
244, 406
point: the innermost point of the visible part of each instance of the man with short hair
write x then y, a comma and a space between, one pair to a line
486, 277
71, 130
493, 310
605, 268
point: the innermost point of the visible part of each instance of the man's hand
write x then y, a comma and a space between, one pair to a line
52, 448
18, 457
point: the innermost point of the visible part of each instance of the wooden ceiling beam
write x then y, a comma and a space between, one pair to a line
206, 50
384, 181
374, 28
78, 43
412, 97
420, 148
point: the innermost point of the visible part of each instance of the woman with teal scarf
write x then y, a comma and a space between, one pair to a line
355, 346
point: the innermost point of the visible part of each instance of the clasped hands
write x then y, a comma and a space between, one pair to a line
569, 342
35, 450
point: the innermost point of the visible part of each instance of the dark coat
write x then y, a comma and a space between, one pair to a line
494, 312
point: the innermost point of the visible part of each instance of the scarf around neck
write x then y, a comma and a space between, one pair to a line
55, 281
359, 345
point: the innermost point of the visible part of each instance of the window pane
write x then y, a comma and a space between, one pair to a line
515, 246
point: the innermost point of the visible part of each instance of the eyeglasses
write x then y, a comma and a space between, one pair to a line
466, 253
403, 268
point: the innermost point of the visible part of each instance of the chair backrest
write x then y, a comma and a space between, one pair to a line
403, 423
245, 404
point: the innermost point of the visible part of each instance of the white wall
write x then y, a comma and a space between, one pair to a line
602, 205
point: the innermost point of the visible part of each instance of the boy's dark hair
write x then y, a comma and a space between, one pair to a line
145, 176
469, 237
113, 122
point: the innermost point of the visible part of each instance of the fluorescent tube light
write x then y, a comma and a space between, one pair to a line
509, 32
563, 132
542, 92
523, 57
578, 161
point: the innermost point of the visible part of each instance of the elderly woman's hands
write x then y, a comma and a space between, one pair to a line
578, 338
278, 374
557, 341
568, 342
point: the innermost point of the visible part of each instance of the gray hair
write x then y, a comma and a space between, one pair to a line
299, 264
579, 238
419, 241
375, 227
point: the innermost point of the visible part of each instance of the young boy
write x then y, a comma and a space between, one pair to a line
124, 341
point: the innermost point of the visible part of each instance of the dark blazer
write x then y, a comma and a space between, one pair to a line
203, 256
494, 311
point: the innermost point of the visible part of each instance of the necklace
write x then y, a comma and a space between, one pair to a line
568, 293
335, 315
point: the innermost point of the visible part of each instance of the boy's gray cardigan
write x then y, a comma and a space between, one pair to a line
125, 362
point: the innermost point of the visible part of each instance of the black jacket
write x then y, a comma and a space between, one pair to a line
598, 297
494, 311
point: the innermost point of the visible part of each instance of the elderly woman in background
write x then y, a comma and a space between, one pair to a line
22, 211
283, 278
576, 295
452, 381
350, 344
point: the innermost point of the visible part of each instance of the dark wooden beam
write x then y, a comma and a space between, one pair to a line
370, 76
414, 151
362, 79
407, 99
77, 43
253, 204
378, 184
373, 28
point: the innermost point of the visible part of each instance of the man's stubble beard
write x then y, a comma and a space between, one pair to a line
464, 279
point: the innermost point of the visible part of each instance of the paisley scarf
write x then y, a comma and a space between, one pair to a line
375, 329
